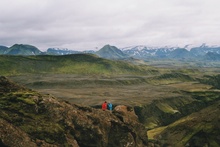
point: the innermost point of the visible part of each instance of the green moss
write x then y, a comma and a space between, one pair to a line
5, 115
151, 125
166, 108
199, 127
152, 122
48, 131
213, 143
206, 96
18, 108
28, 101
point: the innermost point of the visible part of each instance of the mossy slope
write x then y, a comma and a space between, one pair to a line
163, 112
201, 128
28, 118
74, 64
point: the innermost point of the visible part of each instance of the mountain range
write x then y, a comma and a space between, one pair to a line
202, 52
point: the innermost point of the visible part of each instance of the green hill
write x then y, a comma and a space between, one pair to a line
74, 64
111, 52
22, 49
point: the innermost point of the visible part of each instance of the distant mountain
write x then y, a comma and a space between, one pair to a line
65, 51
180, 53
142, 52
58, 51
204, 49
195, 53
164, 52
3, 49
111, 52
212, 56
89, 52
138, 51
22, 49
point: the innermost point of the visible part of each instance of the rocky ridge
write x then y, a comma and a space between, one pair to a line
28, 118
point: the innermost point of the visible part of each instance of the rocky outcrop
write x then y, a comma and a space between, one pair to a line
125, 113
28, 118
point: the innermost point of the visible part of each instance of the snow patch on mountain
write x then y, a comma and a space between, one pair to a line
142, 51
139, 48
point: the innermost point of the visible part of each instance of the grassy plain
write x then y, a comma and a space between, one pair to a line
134, 90
88, 79
93, 90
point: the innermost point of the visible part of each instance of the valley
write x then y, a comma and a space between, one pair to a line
93, 90
167, 96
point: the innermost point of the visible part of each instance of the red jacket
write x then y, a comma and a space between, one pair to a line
104, 106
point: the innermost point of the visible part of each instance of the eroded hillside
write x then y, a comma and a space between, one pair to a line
200, 128
28, 118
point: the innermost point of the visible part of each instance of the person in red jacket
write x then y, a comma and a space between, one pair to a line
104, 106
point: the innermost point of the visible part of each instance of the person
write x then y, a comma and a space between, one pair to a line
104, 106
110, 106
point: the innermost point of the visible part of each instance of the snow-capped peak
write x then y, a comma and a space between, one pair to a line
142, 47
139, 48
57, 49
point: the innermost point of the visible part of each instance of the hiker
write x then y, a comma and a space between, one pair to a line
110, 106
104, 106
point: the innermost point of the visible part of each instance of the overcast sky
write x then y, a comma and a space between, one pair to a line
90, 24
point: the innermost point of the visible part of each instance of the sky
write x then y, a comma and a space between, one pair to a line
91, 24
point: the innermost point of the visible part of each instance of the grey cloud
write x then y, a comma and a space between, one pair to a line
88, 24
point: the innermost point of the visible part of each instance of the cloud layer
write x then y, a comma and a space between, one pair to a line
88, 24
